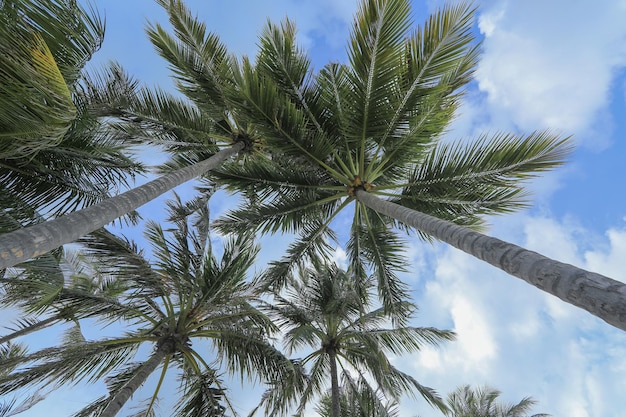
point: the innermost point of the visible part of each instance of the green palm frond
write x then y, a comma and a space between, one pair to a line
378, 246
37, 108
280, 60
46, 45
198, 59
67, 364
202, 395
73, 32
463, 181
466, 401
11, 407
76, 172
375, 52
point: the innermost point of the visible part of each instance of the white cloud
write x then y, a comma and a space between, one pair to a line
610, 263
551, 64
518, 339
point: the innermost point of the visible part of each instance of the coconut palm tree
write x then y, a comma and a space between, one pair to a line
366, 134
327, 312
55, 155
369, 136
192, 130
180, 299
358, 399
483, 402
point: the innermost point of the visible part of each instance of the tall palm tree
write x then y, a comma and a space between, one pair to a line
192, 130
327, 312
369, 135
483, 402
55, 155
182, 298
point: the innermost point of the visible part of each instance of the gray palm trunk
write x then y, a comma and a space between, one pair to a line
334, 385
167, 347
23, 244
601, 296
33, 327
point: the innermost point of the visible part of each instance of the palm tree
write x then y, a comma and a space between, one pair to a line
190, 131
327, 312
55, 155
482, 402
358, 399
369, 135
182, 297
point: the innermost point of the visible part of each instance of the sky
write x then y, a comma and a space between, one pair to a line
558, 65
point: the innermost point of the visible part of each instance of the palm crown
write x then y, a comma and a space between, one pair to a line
182, 295
326, 313
373, 125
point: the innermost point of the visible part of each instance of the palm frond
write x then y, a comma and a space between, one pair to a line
198, 59
461, 181
375, 52
379, 247
202, 395
60, 365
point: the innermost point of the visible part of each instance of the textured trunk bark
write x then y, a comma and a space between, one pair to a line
26, 330
119, 399
334, 385
29, 242
601, 296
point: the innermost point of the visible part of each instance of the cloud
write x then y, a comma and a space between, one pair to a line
517, 338
550, 65
610, 263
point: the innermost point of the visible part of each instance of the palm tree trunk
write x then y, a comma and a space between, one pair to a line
33, 241
335, 395
33, 327
119, 399
601, 296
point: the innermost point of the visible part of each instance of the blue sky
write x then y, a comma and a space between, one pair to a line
557, 65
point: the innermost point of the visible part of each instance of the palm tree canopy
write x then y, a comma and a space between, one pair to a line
327, 314
45, 46
377, 124
179, 297
483, 402
55, 153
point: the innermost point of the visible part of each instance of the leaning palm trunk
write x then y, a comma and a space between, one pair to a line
119, 398
23, 244
601, 296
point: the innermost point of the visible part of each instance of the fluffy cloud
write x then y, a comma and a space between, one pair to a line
551, 64
518, 339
